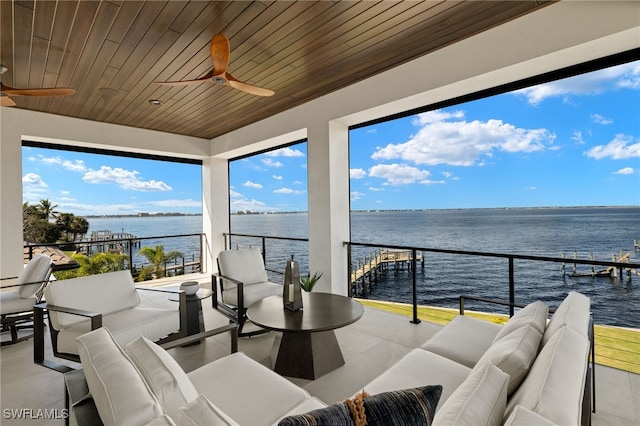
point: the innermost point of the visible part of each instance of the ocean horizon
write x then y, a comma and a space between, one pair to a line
600, 232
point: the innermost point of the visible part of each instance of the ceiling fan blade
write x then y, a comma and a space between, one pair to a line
187, 82
6, 101
254, 90
62, 91
220, 54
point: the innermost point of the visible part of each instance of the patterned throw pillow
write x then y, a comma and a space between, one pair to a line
402, 407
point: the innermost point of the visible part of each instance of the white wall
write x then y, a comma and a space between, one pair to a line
558, 35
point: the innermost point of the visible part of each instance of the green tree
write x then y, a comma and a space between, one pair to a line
157, 256
35, 226
98, 263
48, 208
79, 226
63, 222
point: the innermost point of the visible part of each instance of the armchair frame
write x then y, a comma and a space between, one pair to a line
96, 322
237, 314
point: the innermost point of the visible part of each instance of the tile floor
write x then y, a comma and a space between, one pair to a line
369, 346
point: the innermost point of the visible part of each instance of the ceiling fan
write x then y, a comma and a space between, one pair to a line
220, 57
6, 92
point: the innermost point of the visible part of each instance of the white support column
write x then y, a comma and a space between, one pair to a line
328, 176
215, 207
11, 244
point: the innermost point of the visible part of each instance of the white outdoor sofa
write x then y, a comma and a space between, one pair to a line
528, 372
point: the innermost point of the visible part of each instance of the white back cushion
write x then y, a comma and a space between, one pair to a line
555, 384
514, 354
245, 265
163, 374
36, 271
574, 312
119, 392
103, 293
534, 314
480, 400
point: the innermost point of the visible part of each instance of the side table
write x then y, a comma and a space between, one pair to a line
195, 321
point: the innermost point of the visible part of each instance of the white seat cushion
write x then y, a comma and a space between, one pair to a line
305, 406
514, 354
420, 368
119, 392
463, 340
252, 293
202, 412
12, 303
555, 384
166, 379
246, 390
574, 312
125, 326
521, 416
534, 314
479, 401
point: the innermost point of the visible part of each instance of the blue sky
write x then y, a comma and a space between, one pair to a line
572, 142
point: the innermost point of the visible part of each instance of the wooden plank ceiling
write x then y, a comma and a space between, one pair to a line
112, 52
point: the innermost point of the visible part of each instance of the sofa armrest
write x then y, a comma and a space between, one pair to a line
182, 305
231, 328
38, 331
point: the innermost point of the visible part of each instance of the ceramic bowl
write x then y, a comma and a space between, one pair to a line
190, 287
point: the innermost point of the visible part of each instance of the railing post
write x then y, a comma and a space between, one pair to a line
512, 287
349, 271
415, 320
131, 254
264, 250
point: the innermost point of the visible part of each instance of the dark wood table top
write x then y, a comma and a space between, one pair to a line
320, 312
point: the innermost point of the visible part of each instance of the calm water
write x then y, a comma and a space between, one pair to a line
602, 232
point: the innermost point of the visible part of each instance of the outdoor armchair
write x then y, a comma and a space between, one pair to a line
242, 281
79, 305
17, 300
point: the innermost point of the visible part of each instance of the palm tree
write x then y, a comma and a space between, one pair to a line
48, 208
159, 258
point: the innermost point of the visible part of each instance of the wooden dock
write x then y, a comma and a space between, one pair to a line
107, 241
372, 268
611, 271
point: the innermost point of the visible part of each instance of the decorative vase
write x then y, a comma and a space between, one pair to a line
292, 291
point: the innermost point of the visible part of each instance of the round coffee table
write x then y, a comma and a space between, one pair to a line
308, 347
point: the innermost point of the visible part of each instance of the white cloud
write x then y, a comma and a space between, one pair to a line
577, 137
621, 76
285, 152
270, 163
276, 177
289, 191
601, 119
357, 173
620, 148
177, 203
253, 185
462, 143
125, 179
355, 195
398, 174
234, 194
625, 171
33, 187
249, 205
374, 189
74, 166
